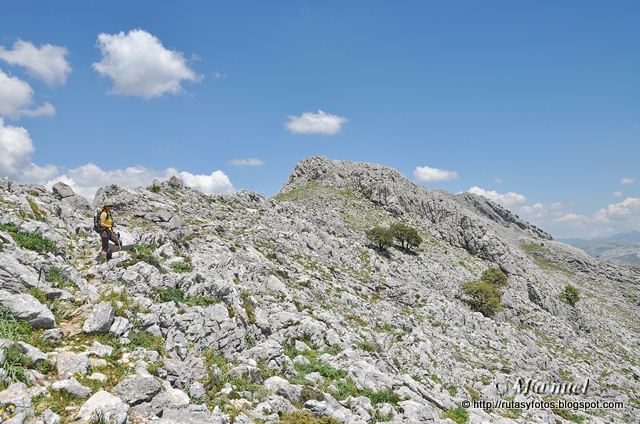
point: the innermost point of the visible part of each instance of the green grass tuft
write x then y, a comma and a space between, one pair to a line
27, 240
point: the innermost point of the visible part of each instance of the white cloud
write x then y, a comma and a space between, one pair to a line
429, 175
16, 99
315, 123
536, 210
506, 199
616, 194
571, 217
46, 109
629, 208
216, 182
627, 180
140, 65
16, 149
46, 62
246, 162
498, 180
87, 179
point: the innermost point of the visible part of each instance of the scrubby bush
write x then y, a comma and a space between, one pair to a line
570, 295
485, 295
176, 295
144, 253
495, 276
182, 267
381, 237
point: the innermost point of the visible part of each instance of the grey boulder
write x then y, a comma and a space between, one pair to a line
28, 308
100, 319
138, 389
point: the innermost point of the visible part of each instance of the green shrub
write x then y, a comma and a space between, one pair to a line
15, 363
325, 370
176, 295
483, 297
248, 306
146, 341
305, 417
182, 267
144, 253
494, 276
154, 189
38, 294
32, 241
457, 415
12, 327
53, 275
570, 295
381, 237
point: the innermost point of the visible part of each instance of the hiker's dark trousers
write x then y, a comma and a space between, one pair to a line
106, 236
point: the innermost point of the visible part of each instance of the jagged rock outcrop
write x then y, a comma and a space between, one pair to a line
243, 308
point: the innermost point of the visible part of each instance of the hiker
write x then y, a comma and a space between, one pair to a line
107, 232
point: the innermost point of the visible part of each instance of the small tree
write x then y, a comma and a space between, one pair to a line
381, 237
570, 295
495, 276
413, 238
399, 231
405, 235
483, 297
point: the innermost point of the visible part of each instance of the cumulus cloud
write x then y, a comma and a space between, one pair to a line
315, 123
246, 162
629, 208
430, 175
498, 180
572, 218
505, 199
16, 149
616, 194
537, 210
140, 65
47, 62
16, 99
627, 180
87, 179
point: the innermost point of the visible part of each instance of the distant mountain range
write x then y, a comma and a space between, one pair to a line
622, 248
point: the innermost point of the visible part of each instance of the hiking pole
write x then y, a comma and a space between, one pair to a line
39, 275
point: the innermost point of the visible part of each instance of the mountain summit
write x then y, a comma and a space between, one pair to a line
242, 308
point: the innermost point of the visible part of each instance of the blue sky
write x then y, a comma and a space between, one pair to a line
537, 99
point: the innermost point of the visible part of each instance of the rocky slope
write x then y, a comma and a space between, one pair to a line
241, 308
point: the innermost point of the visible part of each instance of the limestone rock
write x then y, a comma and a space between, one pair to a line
137, 389
100, 319
73, 387
28, 308
70, 363
104, 404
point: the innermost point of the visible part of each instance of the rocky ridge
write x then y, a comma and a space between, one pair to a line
242, 308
